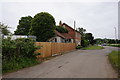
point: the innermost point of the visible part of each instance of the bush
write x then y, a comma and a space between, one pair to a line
61, 29
78, 47
17, 54
84, 43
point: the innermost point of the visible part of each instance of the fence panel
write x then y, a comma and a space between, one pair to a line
49, 49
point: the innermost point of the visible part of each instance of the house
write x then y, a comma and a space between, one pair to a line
61, 38
73, 33
72, 36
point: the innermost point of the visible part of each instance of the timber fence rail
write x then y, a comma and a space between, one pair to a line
49, 49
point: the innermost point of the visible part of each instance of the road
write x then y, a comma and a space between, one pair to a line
76, 64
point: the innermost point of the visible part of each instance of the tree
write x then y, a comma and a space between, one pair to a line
43, 26
4, 29
84, 43
89, 37
24, 26
99, 41
82, 31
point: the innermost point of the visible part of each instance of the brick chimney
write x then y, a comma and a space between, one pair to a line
60, 23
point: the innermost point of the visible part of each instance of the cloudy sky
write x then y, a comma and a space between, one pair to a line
96, 16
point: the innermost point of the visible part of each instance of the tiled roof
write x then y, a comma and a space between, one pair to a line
59, 34
63, 35
67, 26
67, 36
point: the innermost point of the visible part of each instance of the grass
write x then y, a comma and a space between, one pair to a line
114, 58
94, 47
14, 65
114, 45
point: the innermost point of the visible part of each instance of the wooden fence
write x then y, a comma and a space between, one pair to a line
48, 49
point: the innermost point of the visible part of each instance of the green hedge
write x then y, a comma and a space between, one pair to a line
17, 54
114, 45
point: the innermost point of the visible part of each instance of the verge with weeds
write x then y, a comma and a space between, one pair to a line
114, 58
18, 54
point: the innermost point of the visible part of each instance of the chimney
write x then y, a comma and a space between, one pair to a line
74, 25
60, 23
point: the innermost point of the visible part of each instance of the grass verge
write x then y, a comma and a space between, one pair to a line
114, 58
93, 47
14, 65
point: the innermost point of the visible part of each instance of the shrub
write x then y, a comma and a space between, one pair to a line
78, 47
84, 43
18, 54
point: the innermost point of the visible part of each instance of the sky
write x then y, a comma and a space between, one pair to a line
99, 17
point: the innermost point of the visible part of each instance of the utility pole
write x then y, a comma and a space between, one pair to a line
115, 35
74, 32
74, 25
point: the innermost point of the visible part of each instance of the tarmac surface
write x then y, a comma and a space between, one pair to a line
75, 64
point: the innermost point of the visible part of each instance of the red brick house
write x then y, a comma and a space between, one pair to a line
73, 33
72, 36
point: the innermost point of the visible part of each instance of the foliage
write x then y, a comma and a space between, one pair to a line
24, 26
4, 29
99, 41
84, 43
114, 45
109, 41
86, 38
82, 31
17, 54
61, 29
93, 47
43, 26
90, 38
78, 47
114, 59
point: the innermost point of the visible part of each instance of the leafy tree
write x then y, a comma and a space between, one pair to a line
99, 41
43, 26
4, 29
24, 26
82, 31
109, 41
84, 42
89, 37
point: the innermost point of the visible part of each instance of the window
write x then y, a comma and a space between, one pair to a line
55, 40
69, 40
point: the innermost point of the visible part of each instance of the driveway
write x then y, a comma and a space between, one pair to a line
76, 64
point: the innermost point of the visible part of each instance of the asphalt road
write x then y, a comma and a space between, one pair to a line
76, 64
